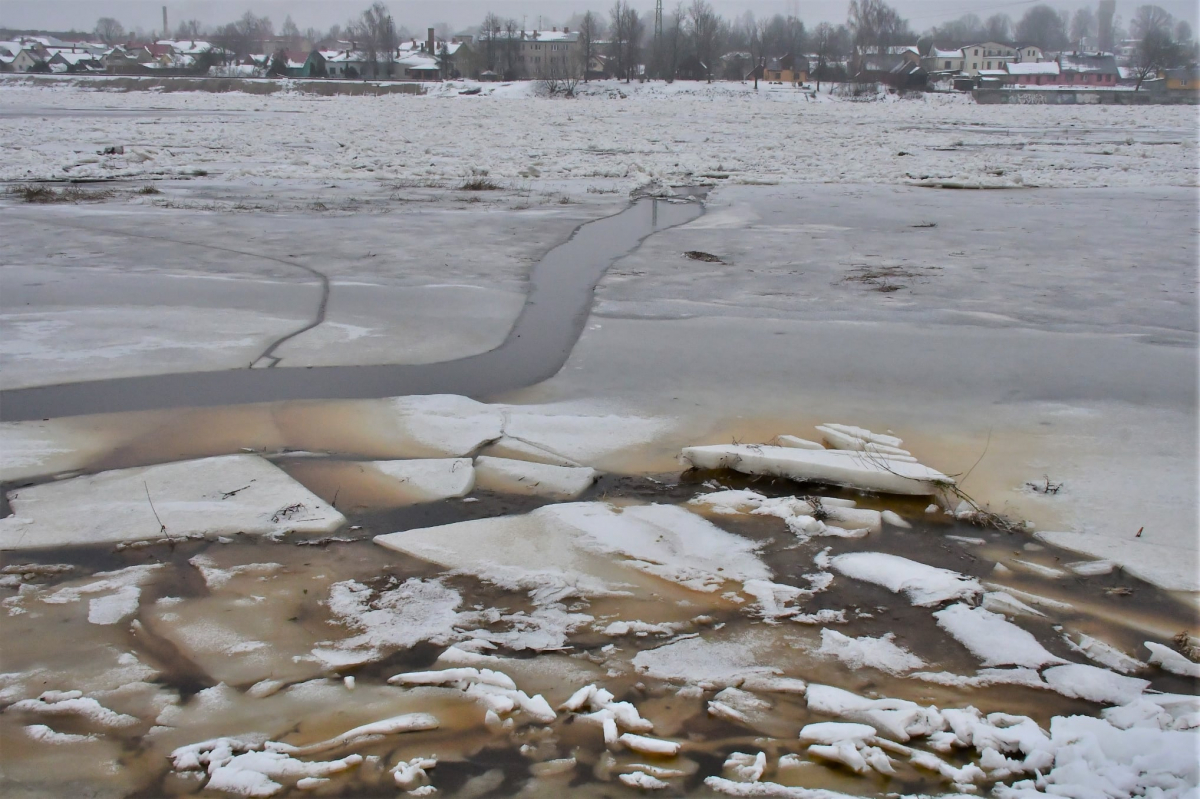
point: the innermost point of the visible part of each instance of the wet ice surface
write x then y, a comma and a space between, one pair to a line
726, 650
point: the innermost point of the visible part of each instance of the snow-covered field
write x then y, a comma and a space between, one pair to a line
613, 135
534, 595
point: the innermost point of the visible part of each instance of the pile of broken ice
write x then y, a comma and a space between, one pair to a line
561, 563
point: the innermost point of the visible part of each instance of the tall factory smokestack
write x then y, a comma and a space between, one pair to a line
429, 41
166, 30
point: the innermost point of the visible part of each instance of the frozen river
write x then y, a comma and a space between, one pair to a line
238, 557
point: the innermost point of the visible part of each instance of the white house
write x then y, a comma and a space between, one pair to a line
943, 60
987, 56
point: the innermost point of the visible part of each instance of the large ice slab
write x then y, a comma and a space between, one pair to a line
211, 496
867, 471
588, 548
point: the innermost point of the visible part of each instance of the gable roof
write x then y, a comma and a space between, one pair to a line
1093, 63
1032, 68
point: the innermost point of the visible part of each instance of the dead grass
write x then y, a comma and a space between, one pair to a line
700, 255
42, 194
479, 183
148, 189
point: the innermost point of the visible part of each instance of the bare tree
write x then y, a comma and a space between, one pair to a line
618, 34
489, 38
1042, 26
1104, 24
290, 32
588, 34
1083, 26
188, 30
997, 28
109, 30
560, 75
1156, 48
510, 49
1149, 18
704, 28
374, 33
876, 25
676, 40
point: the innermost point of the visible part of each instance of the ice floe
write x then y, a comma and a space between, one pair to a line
862, 470
923, 585
1171, 661
878, 653
223, 495
431, 479
393, 618
805, 516
534, 479
567, 550
992, 638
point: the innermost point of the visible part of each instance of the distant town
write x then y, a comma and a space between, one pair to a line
1043, 51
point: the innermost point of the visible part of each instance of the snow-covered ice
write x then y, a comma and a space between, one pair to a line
849, 468
536, 479
923, 585
212, 496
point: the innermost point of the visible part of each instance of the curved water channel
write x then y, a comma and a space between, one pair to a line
537, 346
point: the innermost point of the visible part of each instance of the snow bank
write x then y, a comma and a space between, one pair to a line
923, 585
224, 495
860, 470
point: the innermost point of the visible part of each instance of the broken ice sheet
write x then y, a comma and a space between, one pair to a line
590, 549
257, 619
223, 495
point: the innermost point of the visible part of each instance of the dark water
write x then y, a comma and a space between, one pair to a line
555, 311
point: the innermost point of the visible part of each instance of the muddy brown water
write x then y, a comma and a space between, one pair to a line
499, 765
539, 343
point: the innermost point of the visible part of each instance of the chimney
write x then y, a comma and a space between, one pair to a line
429, 39
166, 30
566, 29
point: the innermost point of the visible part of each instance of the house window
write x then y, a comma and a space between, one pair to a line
989, 66
976, 51
975, 64
947, 65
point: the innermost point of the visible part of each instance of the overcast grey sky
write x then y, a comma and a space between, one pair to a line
461, 14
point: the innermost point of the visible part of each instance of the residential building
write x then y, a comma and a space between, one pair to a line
987, 56
1025, 73
1087, 69
893, 69
23, 60
787, 69
943, 60
1184, 79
